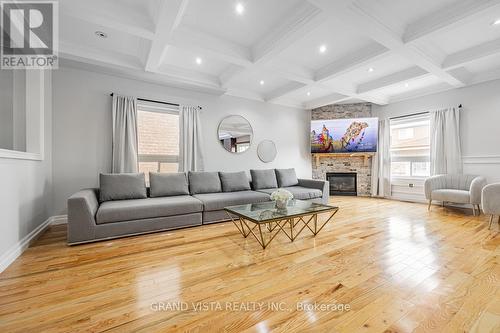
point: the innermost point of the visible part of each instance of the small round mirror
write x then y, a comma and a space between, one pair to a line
267, 151
235, 134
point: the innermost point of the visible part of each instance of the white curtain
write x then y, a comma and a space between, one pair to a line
190, 141
381, 163
446, 155
125, 147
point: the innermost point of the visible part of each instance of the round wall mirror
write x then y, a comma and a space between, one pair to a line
235, 134
267, 151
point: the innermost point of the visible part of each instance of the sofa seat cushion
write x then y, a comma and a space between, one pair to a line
449, 195
217, 201
299, 192
126, 210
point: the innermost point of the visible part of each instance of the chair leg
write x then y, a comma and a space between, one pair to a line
491, 221
478, 210
474, 210
430, 203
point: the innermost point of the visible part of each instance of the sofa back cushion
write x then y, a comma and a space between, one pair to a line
262, 179
204, 182
287, 177
234, 181
121, 186
167, 184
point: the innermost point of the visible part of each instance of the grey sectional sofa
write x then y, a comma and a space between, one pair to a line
124, 206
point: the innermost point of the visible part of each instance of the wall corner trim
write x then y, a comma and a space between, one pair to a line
17, 249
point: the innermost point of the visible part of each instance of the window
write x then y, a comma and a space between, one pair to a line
158, 134
410, 147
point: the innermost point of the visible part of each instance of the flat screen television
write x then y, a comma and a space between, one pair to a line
358, 135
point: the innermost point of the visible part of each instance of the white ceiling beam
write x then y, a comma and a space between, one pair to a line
485, 76
169, 17
138, 74
325, 100
211, 46
298, 24
472, 54
392, 79
245, 94
81, 53
229, 75
289, 71
433, 89
189, 75
360, 14
448, 17
356, 59
284, 90
133, 66
130, 25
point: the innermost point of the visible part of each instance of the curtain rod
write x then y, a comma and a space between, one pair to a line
153, 101
416, 114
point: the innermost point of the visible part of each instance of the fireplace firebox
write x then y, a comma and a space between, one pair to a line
343, 183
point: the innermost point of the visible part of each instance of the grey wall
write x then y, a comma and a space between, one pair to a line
480, 123
82, 129
25, 188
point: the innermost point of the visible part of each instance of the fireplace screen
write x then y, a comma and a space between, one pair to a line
344, 183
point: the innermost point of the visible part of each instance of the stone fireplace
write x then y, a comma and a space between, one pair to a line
359, 165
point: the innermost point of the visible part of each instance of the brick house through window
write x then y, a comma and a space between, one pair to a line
158, 135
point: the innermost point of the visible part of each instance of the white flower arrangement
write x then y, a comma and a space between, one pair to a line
281, 195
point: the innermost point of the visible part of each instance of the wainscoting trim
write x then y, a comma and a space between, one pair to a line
485, 159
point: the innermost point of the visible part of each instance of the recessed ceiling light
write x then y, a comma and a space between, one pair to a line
308, 93
497, 22
407, 85
370, 69
322, 48
198, 60
101, 34
239, 8
261, 82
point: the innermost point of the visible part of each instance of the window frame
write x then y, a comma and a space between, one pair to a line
411, 159
162, 109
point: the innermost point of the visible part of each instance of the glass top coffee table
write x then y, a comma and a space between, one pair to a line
264, 221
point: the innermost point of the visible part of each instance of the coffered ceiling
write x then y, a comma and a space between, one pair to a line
303, 53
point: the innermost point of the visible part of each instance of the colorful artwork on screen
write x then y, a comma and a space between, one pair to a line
344, 135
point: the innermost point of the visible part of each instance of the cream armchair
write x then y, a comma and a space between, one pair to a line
464, 189
491, 201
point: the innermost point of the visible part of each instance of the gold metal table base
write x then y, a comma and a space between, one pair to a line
273, 227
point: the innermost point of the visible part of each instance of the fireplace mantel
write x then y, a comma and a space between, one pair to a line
365, 156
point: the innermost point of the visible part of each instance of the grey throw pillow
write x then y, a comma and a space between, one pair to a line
167, 184
234, 181
121, 186
287, 177
262, 179
204, 182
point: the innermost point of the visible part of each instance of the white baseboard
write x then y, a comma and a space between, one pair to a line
59, 219
17, 249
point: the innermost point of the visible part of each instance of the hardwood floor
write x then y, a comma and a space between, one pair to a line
399, 267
